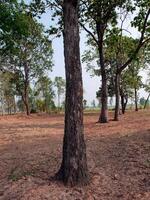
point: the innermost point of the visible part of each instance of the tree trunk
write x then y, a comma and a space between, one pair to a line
136, 99
27, 106
146, 101
117, 94
14, 105
73, 169
26, 88
122, 104
104, 95
104, 100
124, 101
58, 100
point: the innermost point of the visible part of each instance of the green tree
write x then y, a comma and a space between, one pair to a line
31, 52
59, 83
44, 89
101, 16
7, 92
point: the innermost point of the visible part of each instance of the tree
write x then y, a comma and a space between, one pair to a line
84, 103
126, 91
141, 22
73, 168
147, 89
30, 54
44, 89
142, 101
59, 83
99, 15
7, 92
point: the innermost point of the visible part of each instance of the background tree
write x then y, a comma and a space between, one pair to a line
59, 83
8, 92
31, 52
45, 91
100, 15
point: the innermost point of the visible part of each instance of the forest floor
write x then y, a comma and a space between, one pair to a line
118, 158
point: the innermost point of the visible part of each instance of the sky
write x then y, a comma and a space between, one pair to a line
90, 84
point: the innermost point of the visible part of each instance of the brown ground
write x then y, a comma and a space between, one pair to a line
118, 158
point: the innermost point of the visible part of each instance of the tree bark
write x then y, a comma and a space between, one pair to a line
73, 168
26, 89
103, 118
117, 94
124, 101
104, 100
136, 99
146, 101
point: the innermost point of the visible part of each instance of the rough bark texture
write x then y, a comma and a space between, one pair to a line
136, 99
73, 169
104, 95
117, 94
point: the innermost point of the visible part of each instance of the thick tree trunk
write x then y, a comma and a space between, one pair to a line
136, 99
146, 101
117, 95
103, 118
73, 169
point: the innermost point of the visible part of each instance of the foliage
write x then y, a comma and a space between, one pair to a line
44, 94
59, 83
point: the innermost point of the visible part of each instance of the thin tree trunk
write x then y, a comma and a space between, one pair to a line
124, 101
103, 118
73, 169
117, 94
136, 99
146, 101
122, 104
58, 100
104, 101
14, 105
26, 89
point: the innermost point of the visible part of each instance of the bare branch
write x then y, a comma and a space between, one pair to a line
89, 32
140, 44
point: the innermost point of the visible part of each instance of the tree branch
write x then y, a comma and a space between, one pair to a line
140, 44
89, 32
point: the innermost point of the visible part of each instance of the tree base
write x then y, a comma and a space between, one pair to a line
116, 120
103, 121
72, 179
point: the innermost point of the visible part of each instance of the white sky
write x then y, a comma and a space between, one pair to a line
90, 84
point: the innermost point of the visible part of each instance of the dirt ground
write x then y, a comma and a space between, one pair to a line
118, 158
